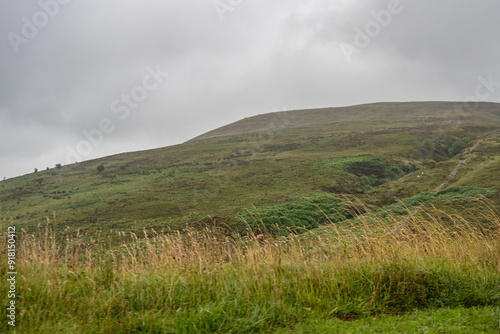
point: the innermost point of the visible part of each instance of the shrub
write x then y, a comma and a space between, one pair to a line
307, 211
457, 195
371, 170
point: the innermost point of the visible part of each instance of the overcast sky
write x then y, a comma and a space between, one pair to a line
85, 79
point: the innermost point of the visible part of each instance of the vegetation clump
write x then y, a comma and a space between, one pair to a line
454, 195
371, 170
306, 212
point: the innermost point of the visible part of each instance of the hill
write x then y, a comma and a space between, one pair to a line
380, 153
357, 117
378, 217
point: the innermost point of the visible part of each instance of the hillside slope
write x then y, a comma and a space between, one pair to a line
360, 116
378, 152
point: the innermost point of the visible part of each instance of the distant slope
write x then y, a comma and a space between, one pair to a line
369, 151
375, 113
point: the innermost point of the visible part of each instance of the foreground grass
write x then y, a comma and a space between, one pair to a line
441, 272
456, 321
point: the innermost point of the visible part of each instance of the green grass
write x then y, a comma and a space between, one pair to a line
457, 320
209, 282
159, 241
449, 196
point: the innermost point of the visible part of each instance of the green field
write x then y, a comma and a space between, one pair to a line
438, 273
282, 222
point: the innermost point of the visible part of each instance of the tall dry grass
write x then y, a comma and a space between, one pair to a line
205, 279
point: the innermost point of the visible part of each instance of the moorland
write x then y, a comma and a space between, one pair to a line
381, 217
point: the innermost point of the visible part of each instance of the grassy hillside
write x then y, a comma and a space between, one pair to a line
381, 217
367, 116
380, 153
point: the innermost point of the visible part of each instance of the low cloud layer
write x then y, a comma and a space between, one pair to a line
65, 64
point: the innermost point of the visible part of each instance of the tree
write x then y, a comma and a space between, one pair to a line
58, 166
36, 170
100, 168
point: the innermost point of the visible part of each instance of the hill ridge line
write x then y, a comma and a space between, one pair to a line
328, 115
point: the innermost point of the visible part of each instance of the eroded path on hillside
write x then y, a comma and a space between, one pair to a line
450, 177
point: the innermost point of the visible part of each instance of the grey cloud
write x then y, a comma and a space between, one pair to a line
264, 56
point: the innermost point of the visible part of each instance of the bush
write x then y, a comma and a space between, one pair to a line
457, 195
371, 170
307, 211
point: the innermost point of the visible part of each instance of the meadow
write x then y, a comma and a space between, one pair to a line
438, 273
379, 218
